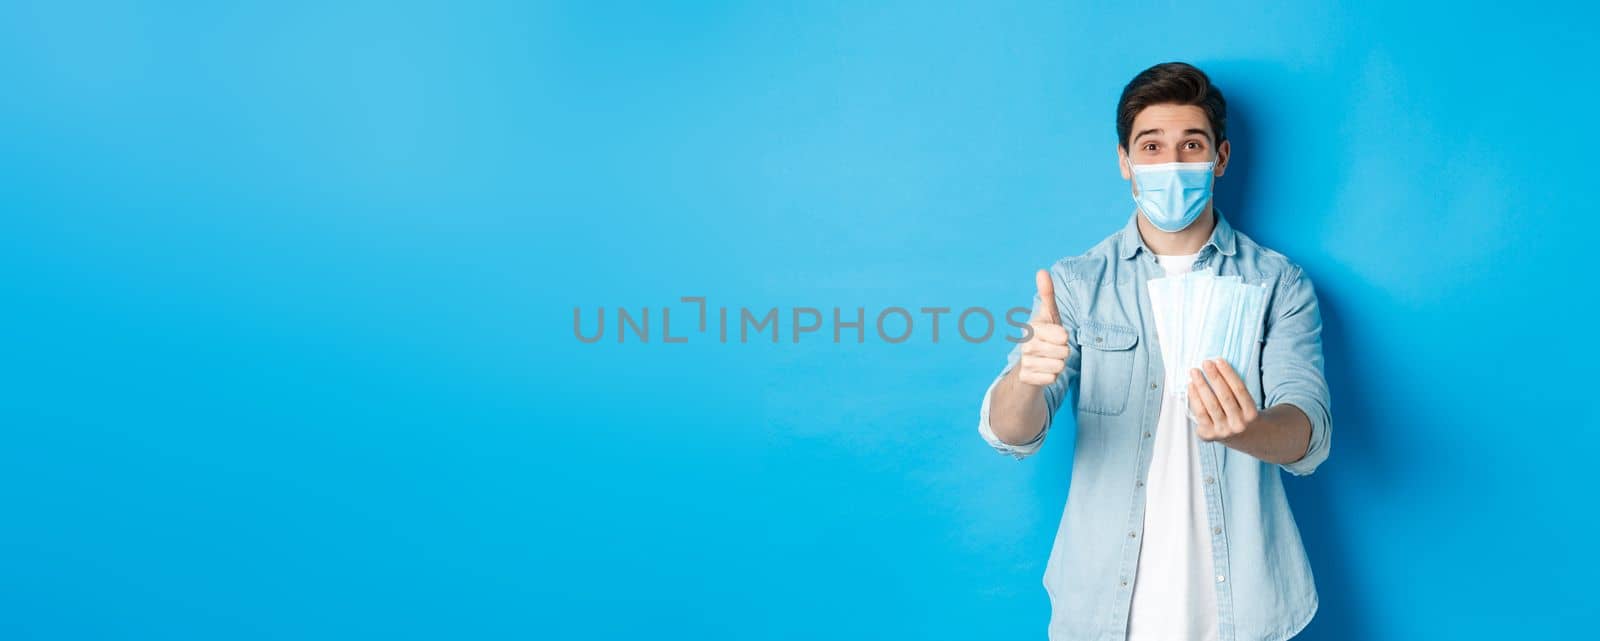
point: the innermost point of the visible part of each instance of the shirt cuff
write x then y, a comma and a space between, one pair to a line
1317, 449
1017, 452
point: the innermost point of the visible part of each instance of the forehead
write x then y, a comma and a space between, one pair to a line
1171, 119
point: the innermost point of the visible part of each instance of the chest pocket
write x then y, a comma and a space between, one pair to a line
1107, 376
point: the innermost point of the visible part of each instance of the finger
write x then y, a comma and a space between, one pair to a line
1197, 410
1203, 427
1036, 379
1047, 350
1221, 389
1040, 371
1047, 297
1050, 333
1045, 365
1207, 398
1239, 390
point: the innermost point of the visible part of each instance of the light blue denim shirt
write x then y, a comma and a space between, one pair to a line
1264, 583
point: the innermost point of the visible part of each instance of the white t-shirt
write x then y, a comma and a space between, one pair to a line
1174, 598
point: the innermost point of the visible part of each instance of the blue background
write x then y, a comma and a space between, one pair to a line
289, 293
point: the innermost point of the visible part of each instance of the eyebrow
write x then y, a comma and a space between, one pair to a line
1186, 132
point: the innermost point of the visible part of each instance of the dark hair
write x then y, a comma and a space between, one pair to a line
1178, 83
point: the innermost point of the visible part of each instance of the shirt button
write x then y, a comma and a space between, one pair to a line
1210, 480
1099, 339
1138, 483
1147, 435
1216, 530
1133, 534
1124, 583
1219, 578
1152, 386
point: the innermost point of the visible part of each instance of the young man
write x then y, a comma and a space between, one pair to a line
1176, 525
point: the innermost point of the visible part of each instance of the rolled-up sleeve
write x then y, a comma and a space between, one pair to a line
1054, 392
1291, 364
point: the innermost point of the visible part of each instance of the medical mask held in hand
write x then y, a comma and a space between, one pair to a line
1172, 195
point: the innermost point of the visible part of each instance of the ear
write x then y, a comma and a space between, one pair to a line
1122, 163
1222, 159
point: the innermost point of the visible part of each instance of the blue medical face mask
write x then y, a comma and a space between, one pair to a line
1172, 195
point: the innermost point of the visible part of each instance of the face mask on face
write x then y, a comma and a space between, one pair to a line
1172, 195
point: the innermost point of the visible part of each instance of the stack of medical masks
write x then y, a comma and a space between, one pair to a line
1200, 316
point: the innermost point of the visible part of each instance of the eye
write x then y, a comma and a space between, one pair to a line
1150, 146
1193, 144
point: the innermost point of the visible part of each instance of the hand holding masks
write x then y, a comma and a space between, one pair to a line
1200, 315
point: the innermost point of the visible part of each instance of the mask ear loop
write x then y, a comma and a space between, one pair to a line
1133, 176
1211, 180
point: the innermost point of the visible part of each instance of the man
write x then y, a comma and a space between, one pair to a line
1176, 525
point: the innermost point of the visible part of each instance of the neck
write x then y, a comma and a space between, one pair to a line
1185, 241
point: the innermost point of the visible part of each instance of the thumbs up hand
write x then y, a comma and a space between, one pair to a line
1044, 356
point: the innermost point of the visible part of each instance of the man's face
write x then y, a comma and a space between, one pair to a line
1172, 133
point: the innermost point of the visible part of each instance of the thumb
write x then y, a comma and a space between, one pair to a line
1047, 297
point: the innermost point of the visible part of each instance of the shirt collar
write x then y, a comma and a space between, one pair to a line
1221, 236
